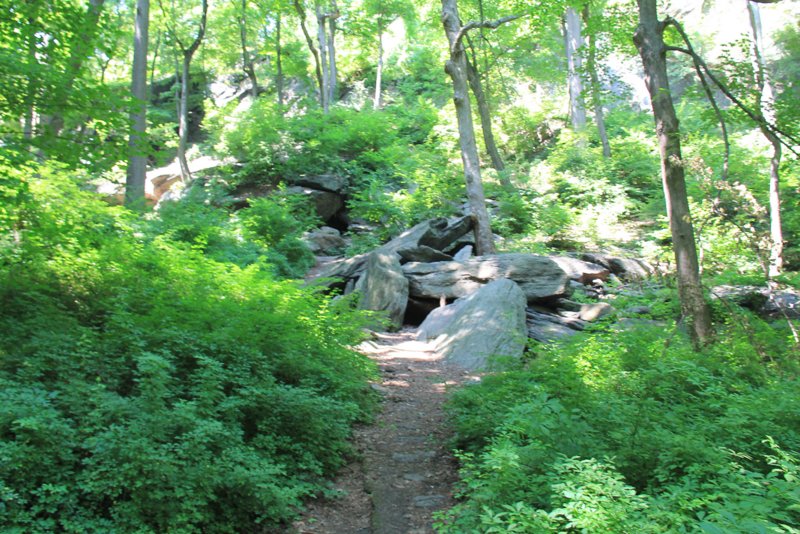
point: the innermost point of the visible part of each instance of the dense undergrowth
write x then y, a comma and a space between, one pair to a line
633, 431
157, 376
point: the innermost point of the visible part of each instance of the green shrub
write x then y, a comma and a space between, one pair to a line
616, 432
149, 387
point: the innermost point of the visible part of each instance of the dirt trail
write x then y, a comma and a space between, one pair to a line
405, 472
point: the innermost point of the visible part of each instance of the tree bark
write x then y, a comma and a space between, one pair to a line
376, 100
301, 13
137, 162
322, 42
332, 70
573, 41
597, 104
765, 99
247, 59
279, 61
486, 120
649, 39
183, 119
456, 68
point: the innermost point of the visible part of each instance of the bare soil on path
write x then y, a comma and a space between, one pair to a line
404, 471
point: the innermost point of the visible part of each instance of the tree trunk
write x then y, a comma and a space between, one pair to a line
137, 162
456, 68
573, 41
279, 61
322, 42
183, 115
183, 118
31, 83
486, 120
765, 99
332, 71
649, 39
301, 13
376, 100
597, 104
247, 60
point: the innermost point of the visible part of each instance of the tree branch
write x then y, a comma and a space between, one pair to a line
781, 135
491, 24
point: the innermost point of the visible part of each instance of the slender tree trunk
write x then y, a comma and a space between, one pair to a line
301, 13
247, 59
279, 61
456, 68
186, 84
765, 99
137, 162
332, 71
32, 83
183, 118
649, 39
486, 120
376, 100
573, 41
597, 104
322, 42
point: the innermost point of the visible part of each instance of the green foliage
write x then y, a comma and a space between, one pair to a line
360, 145
618, 432
149, 386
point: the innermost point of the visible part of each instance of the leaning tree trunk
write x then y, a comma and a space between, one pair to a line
597, 104
486, 120
318, 58
137, 162
765, 98
456, 68
572, 42
649, 39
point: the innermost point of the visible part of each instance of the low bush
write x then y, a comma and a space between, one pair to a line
620, 432
148, 386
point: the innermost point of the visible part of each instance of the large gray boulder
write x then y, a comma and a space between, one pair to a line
325, 203
627, 269
435, 233
549, 327
383, 287
325, 241
539, 277
423, 253
489, 322
582, 271
334, 183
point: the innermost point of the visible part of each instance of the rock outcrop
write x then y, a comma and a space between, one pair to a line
627, 269
539, 277
383, 287
488, 322
325, 241
435, 233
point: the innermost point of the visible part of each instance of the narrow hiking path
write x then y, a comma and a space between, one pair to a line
405, 471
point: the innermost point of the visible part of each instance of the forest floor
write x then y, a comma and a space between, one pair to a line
404, 471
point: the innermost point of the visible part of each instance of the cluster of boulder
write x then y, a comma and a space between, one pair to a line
475, 307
